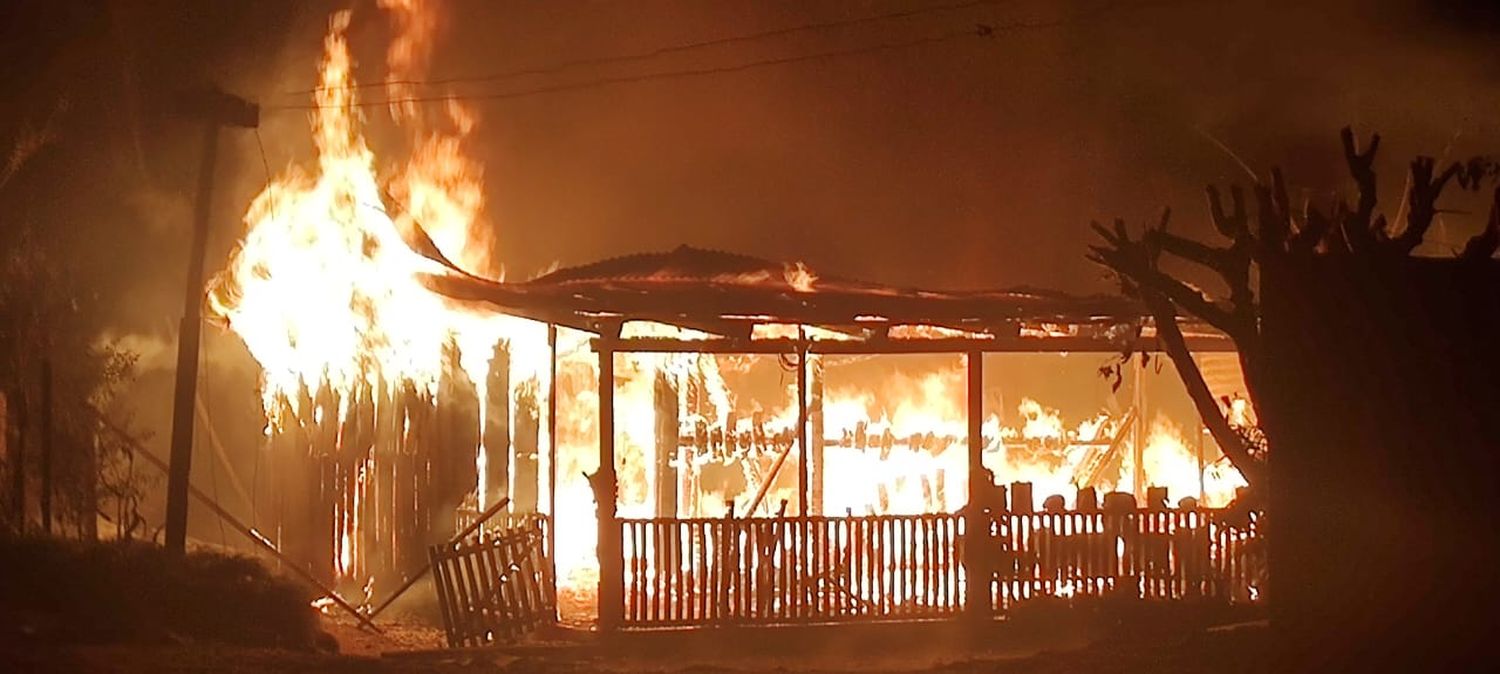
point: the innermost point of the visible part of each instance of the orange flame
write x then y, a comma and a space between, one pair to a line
325, 293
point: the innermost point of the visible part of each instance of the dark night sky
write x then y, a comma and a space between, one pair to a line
970, 162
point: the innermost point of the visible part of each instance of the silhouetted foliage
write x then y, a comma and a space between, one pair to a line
1356, 230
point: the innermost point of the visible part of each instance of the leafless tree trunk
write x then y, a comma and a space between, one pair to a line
1356, 230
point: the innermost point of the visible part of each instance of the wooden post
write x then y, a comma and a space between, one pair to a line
45, 495
804, 492
1202, 486
611, 551
333, 476
497, 429
16, 407
815, 408
524, 450
667, 441
1022, 500
977, 586
1138, 452
456, 466
552, 459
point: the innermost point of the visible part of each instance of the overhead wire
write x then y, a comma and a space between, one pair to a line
652, 76
981, 30
555, 68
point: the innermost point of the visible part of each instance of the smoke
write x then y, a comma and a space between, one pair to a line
965, 163
969, 162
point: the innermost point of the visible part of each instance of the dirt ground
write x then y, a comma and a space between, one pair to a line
415, 648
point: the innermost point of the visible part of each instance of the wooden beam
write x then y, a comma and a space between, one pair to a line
1197, 344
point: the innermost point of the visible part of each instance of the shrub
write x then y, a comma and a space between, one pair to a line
134, 591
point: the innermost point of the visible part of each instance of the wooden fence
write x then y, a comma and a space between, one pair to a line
1150, 554
496, 585
782, 570
790, 569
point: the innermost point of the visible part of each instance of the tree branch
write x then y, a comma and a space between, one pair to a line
1188, 249
1484, 244
1423, 197
1235, 225
1170, 336
1315, 228
1356, 224
1135, 263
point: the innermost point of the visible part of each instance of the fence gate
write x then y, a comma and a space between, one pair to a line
497, 585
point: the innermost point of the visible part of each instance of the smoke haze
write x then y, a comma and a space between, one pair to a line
976, 161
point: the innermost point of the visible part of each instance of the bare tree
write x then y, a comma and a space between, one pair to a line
1276, 232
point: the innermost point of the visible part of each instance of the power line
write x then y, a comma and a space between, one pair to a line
672, 49
980, 30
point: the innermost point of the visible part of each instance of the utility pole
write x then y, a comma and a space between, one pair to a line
215, 109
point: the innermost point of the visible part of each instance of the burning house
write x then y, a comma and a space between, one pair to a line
669, 425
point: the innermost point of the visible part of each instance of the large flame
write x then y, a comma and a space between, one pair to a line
325, 292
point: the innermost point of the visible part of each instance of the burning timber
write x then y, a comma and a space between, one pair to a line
611, 407
387, 473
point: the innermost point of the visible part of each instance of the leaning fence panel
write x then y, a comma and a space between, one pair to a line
497, 585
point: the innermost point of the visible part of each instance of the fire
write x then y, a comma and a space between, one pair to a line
325, 291
325, 287
800, 278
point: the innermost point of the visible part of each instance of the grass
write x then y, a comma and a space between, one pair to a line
132, 592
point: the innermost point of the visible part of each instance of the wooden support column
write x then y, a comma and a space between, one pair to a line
1202, 467
364, 419
976, 524
667, 441
415, 479
334, 478
300, 489
611, 551
456, 467
815, 408
552, 459
497, 430
1138, 452
16, 419
45, 494
524, 426
804, 490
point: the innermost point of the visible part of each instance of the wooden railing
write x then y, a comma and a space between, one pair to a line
496, 585
790, 569
1150, 554
781, 570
